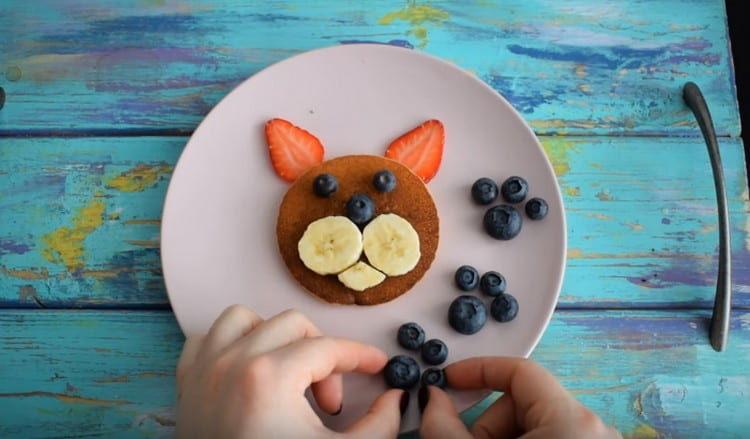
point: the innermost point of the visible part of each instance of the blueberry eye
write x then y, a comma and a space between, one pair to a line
325, 185
384, 181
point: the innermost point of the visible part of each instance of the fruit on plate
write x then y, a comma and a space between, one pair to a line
502, 222
484, 191
330, 245
467, 314
536, 209
411, 336
360, 209
325, 185
361, 276
514, 189
466, 278
401, 372
434, 352
293, 150
492, 283
434, 376
504, 308
391, 244
421, 149
384, 181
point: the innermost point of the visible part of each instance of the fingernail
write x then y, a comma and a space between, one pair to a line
423, 397
404, 403
338, 412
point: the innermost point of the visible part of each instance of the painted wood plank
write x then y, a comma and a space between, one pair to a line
609, 66
79, 221
110, 373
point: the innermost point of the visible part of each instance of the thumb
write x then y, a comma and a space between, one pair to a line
439, 418
384, 417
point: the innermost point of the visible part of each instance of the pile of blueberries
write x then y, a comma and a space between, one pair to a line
402, 371
503, 221
467, 314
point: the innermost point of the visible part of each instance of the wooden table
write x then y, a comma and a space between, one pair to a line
101, 97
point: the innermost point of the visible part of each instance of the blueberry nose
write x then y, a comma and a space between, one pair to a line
360, 209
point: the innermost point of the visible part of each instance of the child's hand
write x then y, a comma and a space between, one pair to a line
247, 378
534, 404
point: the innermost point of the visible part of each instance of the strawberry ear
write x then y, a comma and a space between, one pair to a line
293, 150
421, 149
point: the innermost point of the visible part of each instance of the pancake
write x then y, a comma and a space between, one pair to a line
410, 200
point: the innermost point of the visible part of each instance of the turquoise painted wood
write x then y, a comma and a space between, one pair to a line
578, 66
79, 217
640, 233
650, 373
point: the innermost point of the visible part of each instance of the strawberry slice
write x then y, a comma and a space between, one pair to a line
293, 150
421, 149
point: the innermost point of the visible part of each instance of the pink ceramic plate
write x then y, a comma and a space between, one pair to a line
218, 234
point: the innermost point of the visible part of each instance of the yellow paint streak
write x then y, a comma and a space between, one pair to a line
104, 274
599, 216
707, 228
580, 70
558, 150
139, 178
575, 253
26, 274
65, 245
584, 88
573, 191
417, 16
643, 431
635, 227
560, 124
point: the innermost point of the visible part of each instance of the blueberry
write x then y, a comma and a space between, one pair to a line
401, 372
504, 308
411, 336
434, 377
502, 222
360, 209
384, 181
466, 277
514, 189
467, 314
492, 283
536, 208
325, 185
434, 352
484, 190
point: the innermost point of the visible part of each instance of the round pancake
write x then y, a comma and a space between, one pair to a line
410, 200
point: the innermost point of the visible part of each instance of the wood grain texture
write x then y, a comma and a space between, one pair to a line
110, 373
79, 221
578, 66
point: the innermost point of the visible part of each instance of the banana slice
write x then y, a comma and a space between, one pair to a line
391, 244
330, 245
361, 276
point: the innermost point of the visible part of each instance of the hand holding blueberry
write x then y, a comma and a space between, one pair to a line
537, 407
247, 378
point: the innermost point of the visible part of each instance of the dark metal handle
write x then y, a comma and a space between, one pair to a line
723, 300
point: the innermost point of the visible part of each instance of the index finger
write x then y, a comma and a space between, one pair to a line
317, 358
525, 380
